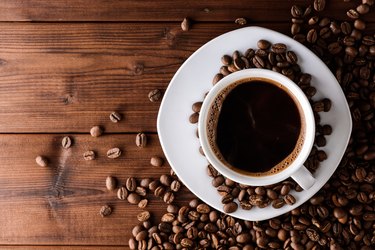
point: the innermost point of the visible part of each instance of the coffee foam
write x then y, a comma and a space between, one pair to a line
213, 117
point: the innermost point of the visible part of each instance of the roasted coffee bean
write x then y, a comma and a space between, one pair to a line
196, 107
263, 44
156, 161
159, 191
359, 24
334, 48
278, 203
143, 216
133, 198
41, 161
296, 11
155, 95
363, 9
351, 51
133, 244
239, 63
96, 131
346, 28
335, 28
105, 211
230, 207
278, 48
224, 71
66, 142
217, 181
217, 78
89, 155
320, 141
313, 20
168, 197
285, 190
122, 193
175, 186
240, 21
131, 184
226, 60
258, 61
312, 234
111, 183
166, 180
319, 5
203, 208
325, 32
115, 117
289, 199
324, 22
352, 14
114, 153
312, 36
194, 118
141, 140
291, 57
141, 191
185, 24
143, 203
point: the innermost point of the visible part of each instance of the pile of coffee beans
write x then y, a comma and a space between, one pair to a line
278, 58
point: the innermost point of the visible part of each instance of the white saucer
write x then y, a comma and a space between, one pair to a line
194, 78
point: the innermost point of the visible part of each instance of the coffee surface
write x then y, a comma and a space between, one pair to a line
258, 126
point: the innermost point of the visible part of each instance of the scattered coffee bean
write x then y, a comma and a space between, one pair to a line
131, 184
141, 140
115, 117
296, 11
143, 203
114, 153
122, 193
89, 155
319, 5
111, 183
96, 131
175, 186
241, 21
143, 216
230, 207
105, 211
41, 161
156, 161
352, 14
168, 197
66, 142
155, 95
186, 23
194, 118
133, 198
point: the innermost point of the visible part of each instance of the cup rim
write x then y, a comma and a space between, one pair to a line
309, 130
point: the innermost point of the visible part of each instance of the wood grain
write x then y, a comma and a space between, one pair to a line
60, 204
67, 77
51, 247
164, 10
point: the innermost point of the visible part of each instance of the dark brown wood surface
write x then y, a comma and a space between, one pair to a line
64, 66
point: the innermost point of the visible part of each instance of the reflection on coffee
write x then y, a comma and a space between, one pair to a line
256, 127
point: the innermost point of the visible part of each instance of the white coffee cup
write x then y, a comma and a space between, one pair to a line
296, 169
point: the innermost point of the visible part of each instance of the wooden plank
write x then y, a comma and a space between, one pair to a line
67, 77
59, 204
64, 247
164, 10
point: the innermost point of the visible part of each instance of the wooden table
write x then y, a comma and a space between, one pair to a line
64, 67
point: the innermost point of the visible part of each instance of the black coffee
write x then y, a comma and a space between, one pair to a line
258, 127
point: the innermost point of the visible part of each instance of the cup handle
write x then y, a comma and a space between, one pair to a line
304, 178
